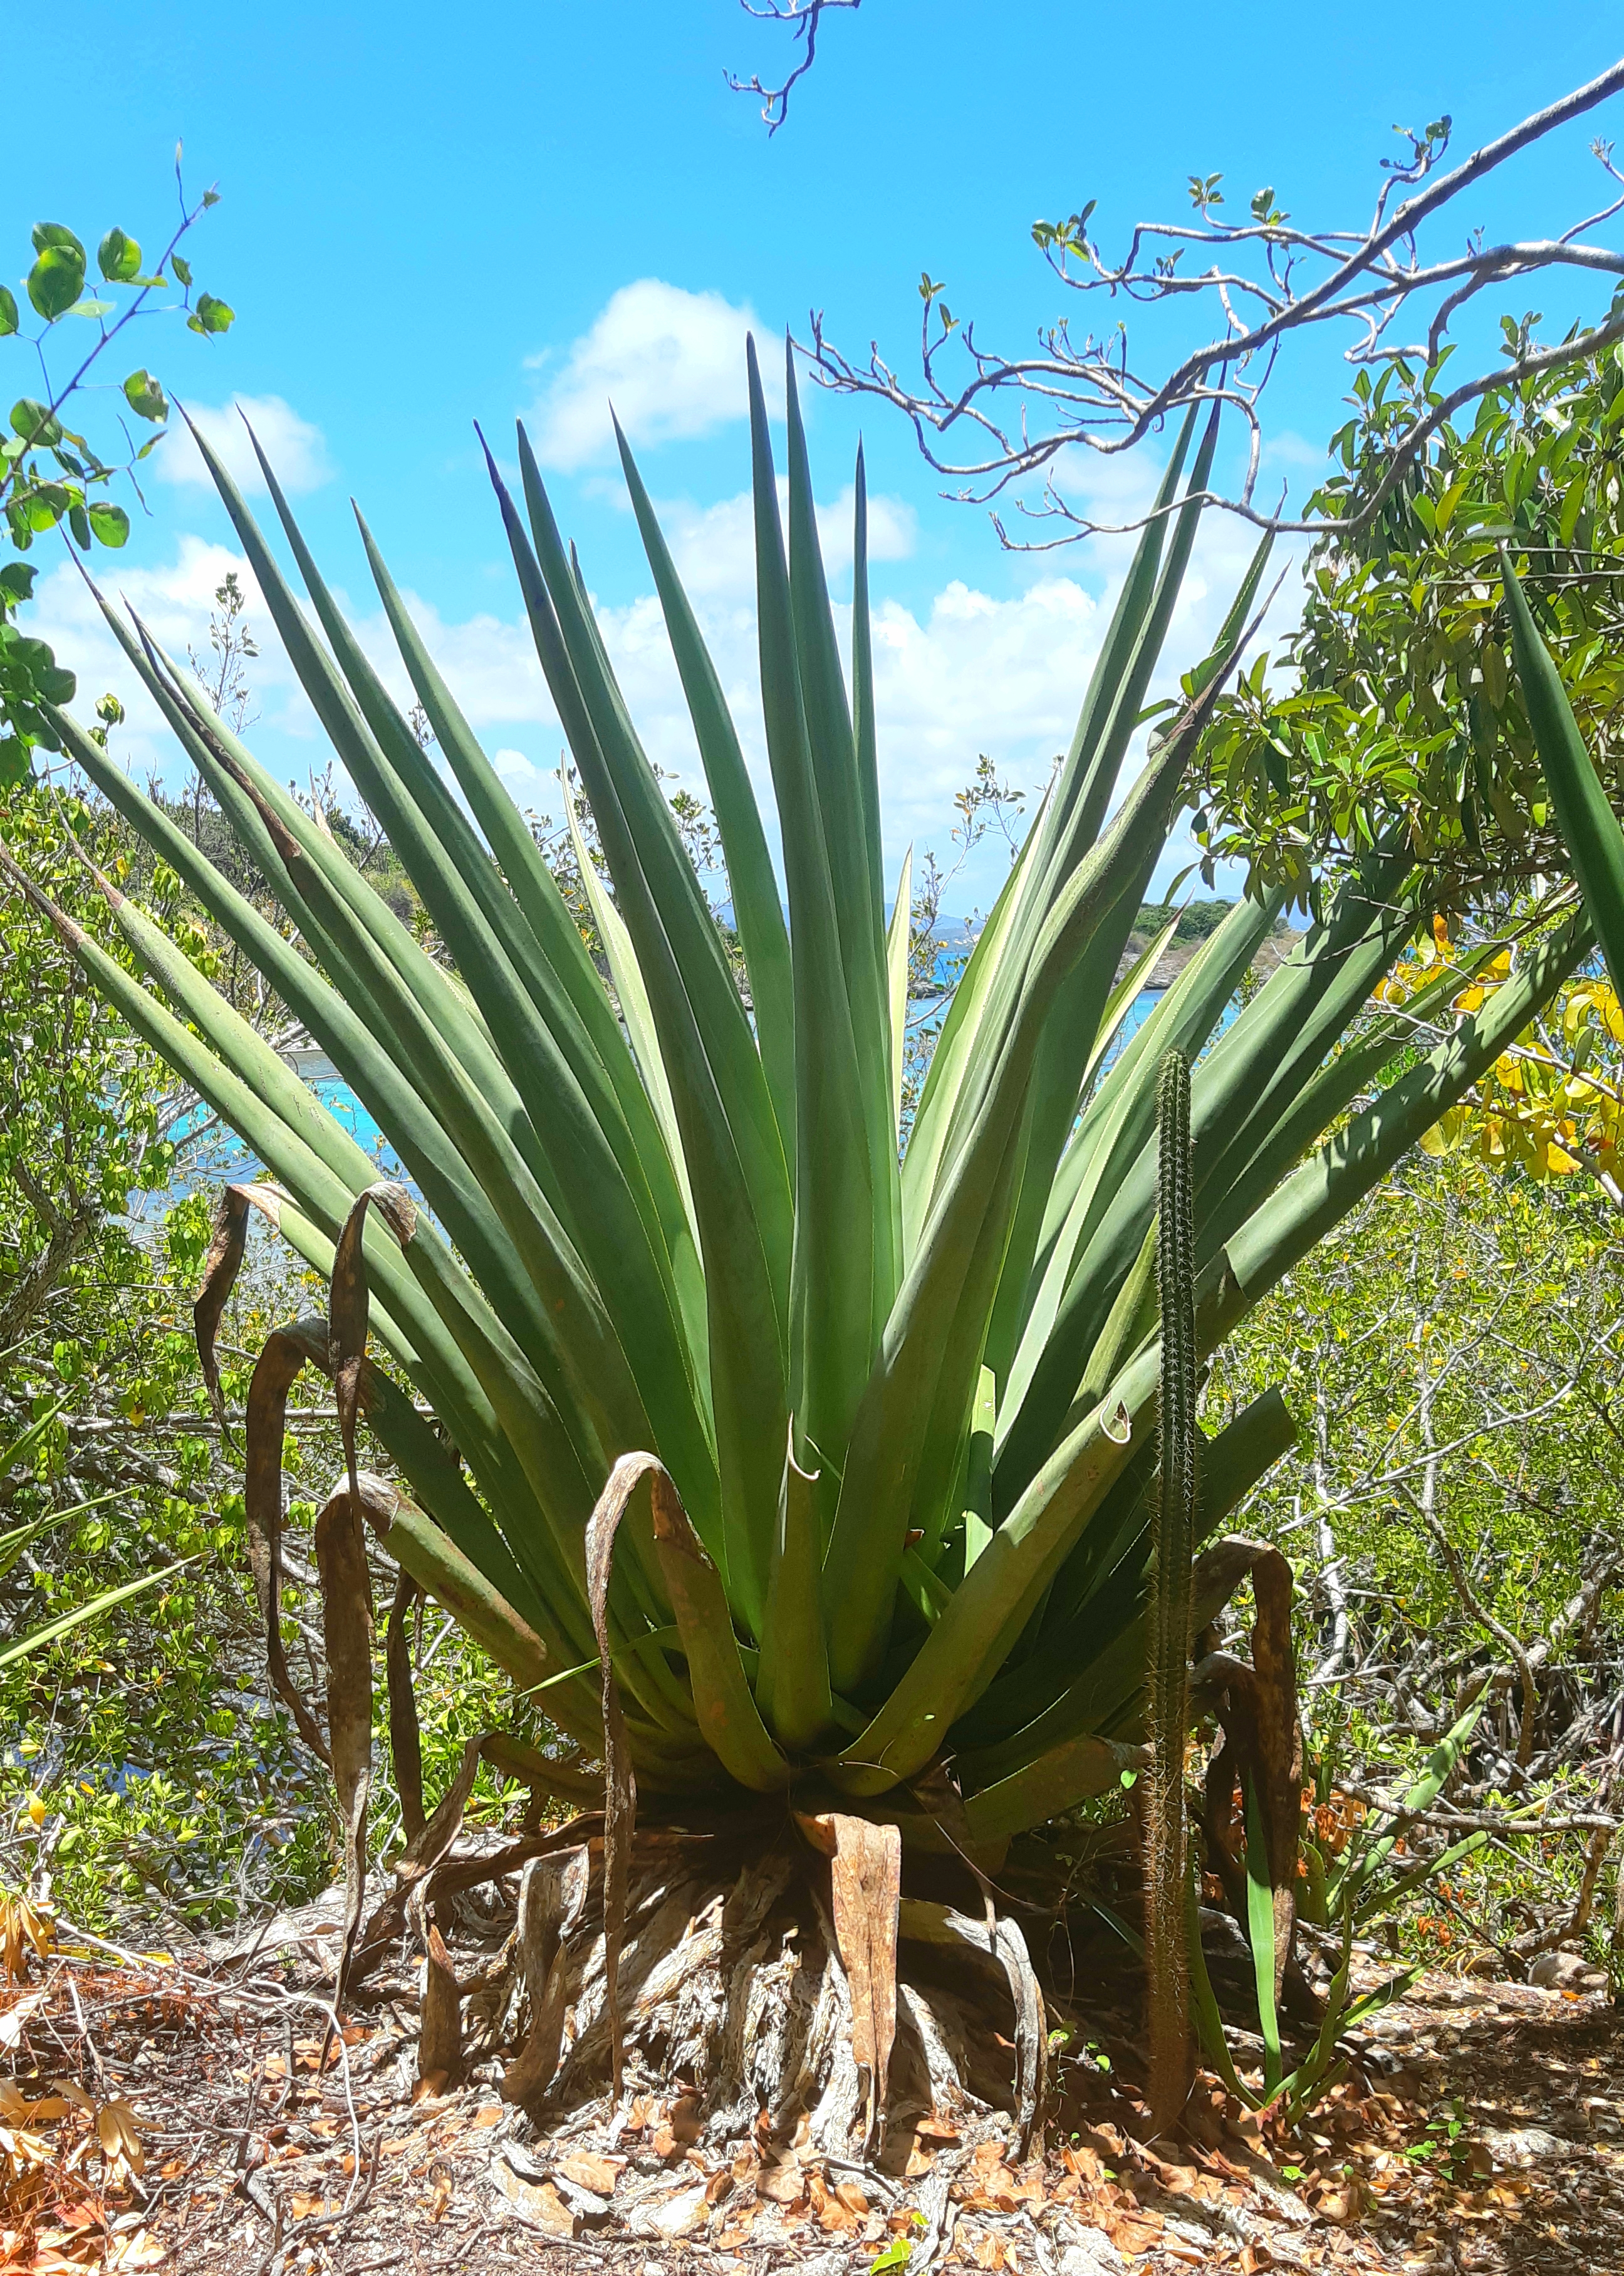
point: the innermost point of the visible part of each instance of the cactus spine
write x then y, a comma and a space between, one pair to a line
1166, 1951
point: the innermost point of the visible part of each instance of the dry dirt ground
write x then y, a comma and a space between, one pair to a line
159, 2117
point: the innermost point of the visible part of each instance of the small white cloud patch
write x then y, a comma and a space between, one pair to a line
672, 363
295, 449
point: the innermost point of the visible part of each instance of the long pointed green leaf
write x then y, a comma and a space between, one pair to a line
854, 863
899, 939
742, 1204
753, 887
633, 996
1588, 824
888, 1442
792, 1682
835, 1272
596, 1187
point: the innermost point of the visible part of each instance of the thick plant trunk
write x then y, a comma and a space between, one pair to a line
732, 1988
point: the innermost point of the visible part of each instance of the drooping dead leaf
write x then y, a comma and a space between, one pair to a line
865, 1868
619, 1784
282, 1355
346, 1623
406, 1745
439, 2047
348, 1302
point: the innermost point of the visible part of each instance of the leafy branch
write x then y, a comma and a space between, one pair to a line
51, 475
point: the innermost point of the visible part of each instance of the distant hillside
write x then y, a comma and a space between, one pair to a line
1199, 921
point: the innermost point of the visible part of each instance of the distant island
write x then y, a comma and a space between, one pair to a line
956, 937
1199, 921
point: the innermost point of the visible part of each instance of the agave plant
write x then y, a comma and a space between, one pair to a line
897, 1387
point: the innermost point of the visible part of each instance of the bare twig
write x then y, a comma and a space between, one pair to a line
803, 16
991, 422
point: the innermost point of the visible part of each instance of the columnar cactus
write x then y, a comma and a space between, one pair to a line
1167, 1955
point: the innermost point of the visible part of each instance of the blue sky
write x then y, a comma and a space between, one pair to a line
434, 217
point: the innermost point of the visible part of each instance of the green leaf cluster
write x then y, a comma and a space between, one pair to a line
1393, 714
905, 1382
51, 475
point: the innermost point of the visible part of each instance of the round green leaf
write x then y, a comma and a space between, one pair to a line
13, 761
145, 397
80, 524
47, 233
182, 269
34, 422
8, 311
212, 315
55, 280
111, 523
46, 505
118, 258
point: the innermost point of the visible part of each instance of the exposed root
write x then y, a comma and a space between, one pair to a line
733, 1995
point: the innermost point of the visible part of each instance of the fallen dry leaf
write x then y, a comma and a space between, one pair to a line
140, 2250
16, 2016
673, 2216
687, 2119
491, 2114
115, 2126
781, 2180
835, 2215
736, 2229
589, 2170
542, 2205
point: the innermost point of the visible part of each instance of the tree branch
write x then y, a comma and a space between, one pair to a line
803, 16
1270, 280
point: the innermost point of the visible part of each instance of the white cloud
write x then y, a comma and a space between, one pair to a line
670, 361
295, 449
714, 546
